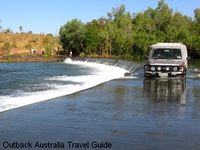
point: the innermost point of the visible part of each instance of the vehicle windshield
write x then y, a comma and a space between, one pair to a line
166, 54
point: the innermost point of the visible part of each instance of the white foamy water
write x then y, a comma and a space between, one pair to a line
100, 73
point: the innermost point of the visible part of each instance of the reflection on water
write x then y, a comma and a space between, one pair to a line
169, 90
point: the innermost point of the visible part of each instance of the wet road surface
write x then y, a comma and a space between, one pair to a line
131, 114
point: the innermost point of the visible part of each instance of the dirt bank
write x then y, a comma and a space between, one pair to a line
30, 58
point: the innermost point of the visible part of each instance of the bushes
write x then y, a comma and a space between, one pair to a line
28, 46
7, 46
82, 54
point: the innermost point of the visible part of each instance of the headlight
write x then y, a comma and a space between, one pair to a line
167, 68
175, 68
153, 68
159, 68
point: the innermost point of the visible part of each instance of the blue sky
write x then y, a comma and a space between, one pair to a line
46, 16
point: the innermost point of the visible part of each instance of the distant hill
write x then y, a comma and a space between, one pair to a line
25, 43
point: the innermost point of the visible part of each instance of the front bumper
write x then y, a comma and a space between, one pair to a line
163, 74
164, 71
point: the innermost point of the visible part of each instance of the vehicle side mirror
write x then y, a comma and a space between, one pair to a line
188, 58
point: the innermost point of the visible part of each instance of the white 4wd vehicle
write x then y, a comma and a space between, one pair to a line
166, 60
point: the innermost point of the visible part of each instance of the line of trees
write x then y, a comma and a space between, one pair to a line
125, 35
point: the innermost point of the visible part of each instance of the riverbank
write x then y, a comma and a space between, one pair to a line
17, 58
30, 58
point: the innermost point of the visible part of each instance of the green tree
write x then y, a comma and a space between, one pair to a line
109, 37
145, 32
122, 32
91, 38
197, 15
103, 36
97, 37
194, 41
197, 20
124, 35
72, 36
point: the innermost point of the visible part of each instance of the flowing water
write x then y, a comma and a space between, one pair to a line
27, 83
130, 112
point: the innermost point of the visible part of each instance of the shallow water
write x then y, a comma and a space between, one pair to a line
27, 83
129, 113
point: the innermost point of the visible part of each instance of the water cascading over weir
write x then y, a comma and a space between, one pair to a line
130, 66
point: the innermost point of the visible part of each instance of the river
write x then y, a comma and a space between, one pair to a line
87, 102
